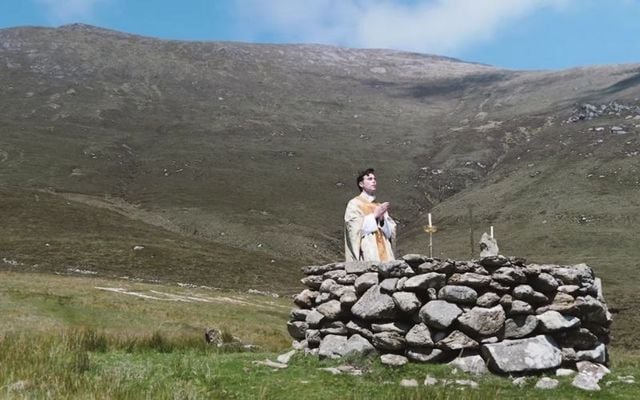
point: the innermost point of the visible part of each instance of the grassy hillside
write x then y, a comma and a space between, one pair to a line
73, 337
43, 232
231, 163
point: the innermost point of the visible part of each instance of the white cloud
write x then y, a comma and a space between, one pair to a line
428, 26
63, 11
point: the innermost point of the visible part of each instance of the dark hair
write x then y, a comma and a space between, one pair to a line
361, 176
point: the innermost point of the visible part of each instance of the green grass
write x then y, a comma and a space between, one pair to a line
62, 337
43, 232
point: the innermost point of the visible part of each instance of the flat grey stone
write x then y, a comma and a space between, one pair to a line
523, 355
398, 327
394, 269
553, 321
425, 355
458, 294
286, 357
321, 269
457, 340
425, 281
470, 279
358, 267
597, 355
598, 371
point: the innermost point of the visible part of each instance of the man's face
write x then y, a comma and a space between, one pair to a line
369, 184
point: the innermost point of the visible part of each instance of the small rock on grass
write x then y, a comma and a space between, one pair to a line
430, 380
547, 383
286, 357
394, 360
520, 381
409, 383
271, 364
467, 382
585, 381
565, 372
343, 369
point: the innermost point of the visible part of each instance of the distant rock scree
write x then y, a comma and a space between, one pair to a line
517, 318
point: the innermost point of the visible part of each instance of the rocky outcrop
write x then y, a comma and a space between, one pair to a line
511, 316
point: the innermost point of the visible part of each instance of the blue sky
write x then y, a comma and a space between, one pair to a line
518, 34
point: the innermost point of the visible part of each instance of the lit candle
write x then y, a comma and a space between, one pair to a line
429, 220
491, 230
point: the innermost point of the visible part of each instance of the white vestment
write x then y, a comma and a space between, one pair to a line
365, 237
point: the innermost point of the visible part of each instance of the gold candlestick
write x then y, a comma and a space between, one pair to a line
430, 229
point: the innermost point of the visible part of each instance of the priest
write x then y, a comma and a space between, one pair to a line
369, 231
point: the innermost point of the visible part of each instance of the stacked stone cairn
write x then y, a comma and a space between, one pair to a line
497, 311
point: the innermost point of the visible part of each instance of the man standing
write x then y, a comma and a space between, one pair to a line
369, 231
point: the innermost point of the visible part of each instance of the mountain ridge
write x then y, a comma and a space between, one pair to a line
256, 146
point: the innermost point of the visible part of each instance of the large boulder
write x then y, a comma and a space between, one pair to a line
366, 281
357, 344
297, 329
332, 346
419, 336
458, 294
306, 298
374, 305
389, 341
439, 314
407, 302
425, 281
523, 355
553, 321
331, 309
484, 322
520, 326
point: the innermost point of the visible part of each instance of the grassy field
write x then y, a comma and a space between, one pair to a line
76, 337
43, 232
